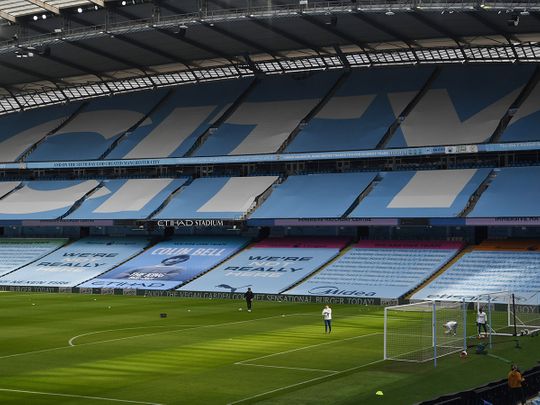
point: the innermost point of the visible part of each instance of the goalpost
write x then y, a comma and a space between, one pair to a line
510, 314
424, 331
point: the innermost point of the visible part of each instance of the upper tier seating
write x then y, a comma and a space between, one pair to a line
268, 115
270, 266
173, 128
361, 111
76, 262
525, 123
464, 105
126, 199
219, 197
514, 192
16, 253
314, 196
44, 199
170, 263
96, 127
384, 269
432, 193
19, 131
486, 270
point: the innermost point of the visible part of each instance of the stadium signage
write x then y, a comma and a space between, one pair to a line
336, 291
179, 223
169, 263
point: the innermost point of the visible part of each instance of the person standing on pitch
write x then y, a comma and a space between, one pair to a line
481, 322
249, 298
327, 316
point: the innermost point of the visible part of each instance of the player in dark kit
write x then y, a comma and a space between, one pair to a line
249, 298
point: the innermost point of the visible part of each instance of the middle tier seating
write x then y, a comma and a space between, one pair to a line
126, 199
217, 197
430, 193
314, 195
514, 192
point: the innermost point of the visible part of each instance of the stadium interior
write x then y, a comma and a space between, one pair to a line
357, 153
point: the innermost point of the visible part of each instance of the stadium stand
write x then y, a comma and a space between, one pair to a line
126, 199
383, 269
270, 266
464, 105
511, 266
218, 197
510, 194
307, 196
525, 122
268, 115
170, 263
431, 193
361, 110
55, 199
8, 186
184, 116
19, 131
93, 130
76, 262
18, 252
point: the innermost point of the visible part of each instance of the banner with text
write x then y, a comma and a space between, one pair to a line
265, 270
16, 253
76, 263
170, 264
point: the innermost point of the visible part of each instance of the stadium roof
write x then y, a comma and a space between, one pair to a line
58, 50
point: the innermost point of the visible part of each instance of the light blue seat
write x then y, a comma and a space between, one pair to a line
268, 115
361, 111
19, 131
126, 199
481, 272
314, 196
96, 127
217, 197
174, 127
514, 192
44, 199
433, 193
525, 123
464, 105
375, 272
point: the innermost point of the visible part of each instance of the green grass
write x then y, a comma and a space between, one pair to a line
127, 352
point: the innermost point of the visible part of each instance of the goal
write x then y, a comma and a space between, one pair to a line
511, 314
424, 331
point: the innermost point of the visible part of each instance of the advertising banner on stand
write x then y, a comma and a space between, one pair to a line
18, 252
268, 267
169, 264
76, 263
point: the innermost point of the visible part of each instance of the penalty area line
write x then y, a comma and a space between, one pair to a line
305, 382
55, 394
288, 368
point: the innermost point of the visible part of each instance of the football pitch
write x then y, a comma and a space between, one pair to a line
95, 349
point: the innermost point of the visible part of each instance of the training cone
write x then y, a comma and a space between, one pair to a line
379, 393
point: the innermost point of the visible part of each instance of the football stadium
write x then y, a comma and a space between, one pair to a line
269, 202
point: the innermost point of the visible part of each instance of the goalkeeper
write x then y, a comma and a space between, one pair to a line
450, 327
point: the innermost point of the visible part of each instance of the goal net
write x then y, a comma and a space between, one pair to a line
424, 331
510, 314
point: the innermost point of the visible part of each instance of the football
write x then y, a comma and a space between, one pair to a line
463, 354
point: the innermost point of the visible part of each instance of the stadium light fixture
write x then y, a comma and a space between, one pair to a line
79, 10
35, 18
44, 16
389, 12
